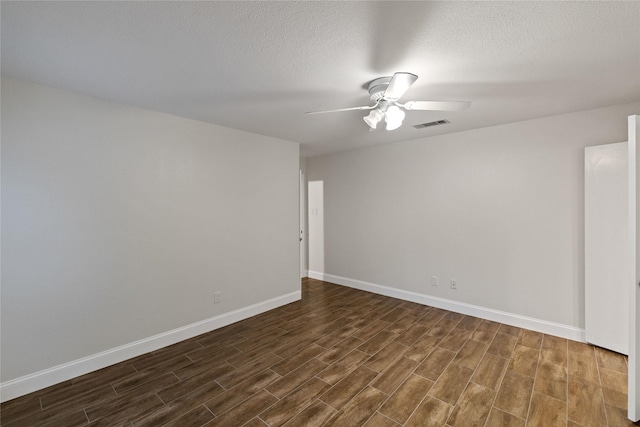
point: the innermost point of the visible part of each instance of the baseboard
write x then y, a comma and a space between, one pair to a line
546, 327
315, 275
48, 377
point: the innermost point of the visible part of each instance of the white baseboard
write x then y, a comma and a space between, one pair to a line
546, 327
315, 275
48, 377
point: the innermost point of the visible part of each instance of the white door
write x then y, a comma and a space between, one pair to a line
606, 246
303, 217
316, 229
634, 271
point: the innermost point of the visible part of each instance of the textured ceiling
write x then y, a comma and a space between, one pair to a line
258, 66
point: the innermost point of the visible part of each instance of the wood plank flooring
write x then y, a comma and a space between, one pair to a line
343, 357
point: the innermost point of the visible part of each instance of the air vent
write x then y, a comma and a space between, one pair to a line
429, 124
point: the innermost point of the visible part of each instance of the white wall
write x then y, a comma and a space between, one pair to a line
120, 223
499, 209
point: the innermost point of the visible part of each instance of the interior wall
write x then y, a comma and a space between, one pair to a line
499, 209
120, 223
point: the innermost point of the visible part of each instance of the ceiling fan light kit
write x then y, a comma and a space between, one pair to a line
373, 118
394, 117
385, 93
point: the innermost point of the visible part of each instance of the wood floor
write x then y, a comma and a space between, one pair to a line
343, 357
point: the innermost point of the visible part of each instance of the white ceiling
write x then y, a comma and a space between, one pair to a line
258, 66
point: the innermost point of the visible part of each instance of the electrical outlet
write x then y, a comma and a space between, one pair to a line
434, 280
217, 297
454, 284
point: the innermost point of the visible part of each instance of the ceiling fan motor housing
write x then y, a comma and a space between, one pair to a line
377, 88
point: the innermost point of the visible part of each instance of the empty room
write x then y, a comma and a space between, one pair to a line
281, 213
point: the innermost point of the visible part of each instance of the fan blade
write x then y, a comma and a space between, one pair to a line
399, 84
366, 107
437, 105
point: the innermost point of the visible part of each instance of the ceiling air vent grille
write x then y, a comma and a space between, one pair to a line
429, 124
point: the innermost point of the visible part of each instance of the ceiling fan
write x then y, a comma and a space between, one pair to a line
385, 93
